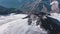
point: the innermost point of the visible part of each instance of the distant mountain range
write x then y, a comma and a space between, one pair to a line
23, 5
19, 4
6, 11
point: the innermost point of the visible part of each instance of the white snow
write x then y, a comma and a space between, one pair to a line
14, 24
55, 16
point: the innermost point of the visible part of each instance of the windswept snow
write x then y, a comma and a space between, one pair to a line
55, 16
14, 24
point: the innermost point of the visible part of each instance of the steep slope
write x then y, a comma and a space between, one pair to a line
19, 26
19, 4
24, 5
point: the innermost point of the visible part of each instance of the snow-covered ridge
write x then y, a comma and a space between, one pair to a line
14, 24
11, 17
55, 16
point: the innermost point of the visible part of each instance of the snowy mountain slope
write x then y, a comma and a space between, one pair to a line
19, 26
55, 16
11, 17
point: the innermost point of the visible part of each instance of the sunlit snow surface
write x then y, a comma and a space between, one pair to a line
14, 24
